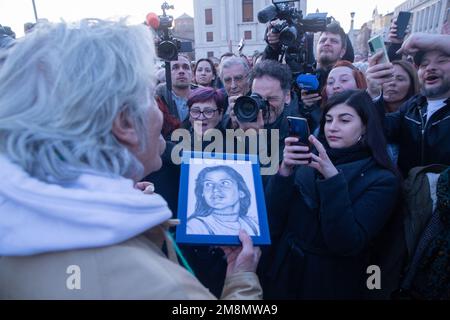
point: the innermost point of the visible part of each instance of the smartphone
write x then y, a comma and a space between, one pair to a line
375, 44
402, 23
298, 128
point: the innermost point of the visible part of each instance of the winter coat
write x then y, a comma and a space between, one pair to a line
322, 230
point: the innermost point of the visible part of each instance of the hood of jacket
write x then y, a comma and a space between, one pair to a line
95, 210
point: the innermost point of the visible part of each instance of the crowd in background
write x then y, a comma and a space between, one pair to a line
80, 117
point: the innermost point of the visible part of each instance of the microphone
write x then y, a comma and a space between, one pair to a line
267, 14
152, 20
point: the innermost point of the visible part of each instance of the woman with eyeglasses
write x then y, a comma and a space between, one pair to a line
206, 107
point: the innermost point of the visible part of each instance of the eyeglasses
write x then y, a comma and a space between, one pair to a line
207, 113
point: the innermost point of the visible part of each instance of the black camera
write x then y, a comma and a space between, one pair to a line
167, 46
288, 33
246, 108
295, 33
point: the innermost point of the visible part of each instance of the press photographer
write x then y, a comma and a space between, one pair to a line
290, 37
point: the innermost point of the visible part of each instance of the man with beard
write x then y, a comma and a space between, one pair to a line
331, 47
176, 111
421, 127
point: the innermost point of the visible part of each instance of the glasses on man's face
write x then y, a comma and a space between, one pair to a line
207, 113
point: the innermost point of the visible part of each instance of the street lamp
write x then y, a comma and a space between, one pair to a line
35, 11
352, 14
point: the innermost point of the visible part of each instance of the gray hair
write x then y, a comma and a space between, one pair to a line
231, 62
61, 88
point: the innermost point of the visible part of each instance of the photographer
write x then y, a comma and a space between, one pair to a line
270, 87
331, 47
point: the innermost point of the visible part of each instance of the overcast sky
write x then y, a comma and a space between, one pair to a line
16, 12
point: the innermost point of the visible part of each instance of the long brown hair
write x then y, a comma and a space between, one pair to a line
414, 86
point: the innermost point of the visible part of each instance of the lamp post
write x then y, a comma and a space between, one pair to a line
35, 11
352, 24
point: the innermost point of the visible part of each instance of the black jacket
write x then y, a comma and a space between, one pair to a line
420, 143
321, 230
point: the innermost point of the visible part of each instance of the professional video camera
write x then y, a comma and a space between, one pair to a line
167, 46
296, 34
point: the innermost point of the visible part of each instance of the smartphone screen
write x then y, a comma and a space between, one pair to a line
402, 23
375, 44
298, 127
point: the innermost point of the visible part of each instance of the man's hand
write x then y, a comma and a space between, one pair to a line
273, 38
242, 259
230, 111
309, 99
378, 74
426, 42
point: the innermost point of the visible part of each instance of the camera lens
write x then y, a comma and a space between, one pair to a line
167, 50
246, 109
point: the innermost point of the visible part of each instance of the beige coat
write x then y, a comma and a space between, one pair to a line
135, 269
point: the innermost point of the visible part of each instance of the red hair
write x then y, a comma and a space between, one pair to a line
360, 79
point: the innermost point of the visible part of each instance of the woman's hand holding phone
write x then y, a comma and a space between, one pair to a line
294, 155
310, 99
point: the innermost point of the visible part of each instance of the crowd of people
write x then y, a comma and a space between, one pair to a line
87, 174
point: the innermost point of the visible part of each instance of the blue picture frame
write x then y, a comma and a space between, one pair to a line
247, 166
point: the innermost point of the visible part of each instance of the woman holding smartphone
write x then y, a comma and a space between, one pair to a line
326, 207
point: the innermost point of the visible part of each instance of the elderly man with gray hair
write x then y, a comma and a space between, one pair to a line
79, 126
234, 73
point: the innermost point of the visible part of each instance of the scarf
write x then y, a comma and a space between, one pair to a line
356, 152
95, 210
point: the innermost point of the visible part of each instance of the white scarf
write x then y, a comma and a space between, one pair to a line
94, 211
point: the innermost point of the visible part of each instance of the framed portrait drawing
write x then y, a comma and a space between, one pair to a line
219, 195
